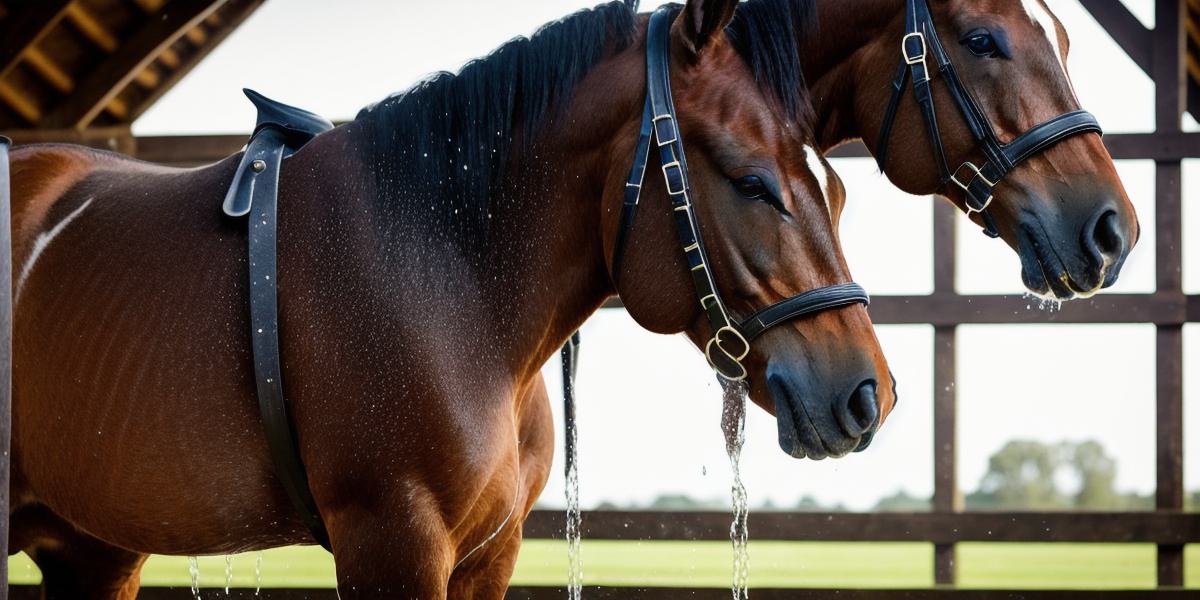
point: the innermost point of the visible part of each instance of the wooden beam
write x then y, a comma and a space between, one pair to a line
21, 105
92, 28
1125, 29
49, 70
107, 80
23, 29
238, 11
197, 35
937, 527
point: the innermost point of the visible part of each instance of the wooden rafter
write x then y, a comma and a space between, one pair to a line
92, 28
107, 80
1125, 29
49, 70
216, 35
25, 28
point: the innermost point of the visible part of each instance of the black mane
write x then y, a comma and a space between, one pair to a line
445, 143
765, 33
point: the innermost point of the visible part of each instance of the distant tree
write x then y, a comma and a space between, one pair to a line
1097, 473
902, 501
1026, 475
809, 504
684, 502
1193, 501
1020, 476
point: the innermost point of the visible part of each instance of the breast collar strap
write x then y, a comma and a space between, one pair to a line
730, 342
976, 181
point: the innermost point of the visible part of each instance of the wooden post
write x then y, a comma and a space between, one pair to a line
1169, 80
5, 358
945, 392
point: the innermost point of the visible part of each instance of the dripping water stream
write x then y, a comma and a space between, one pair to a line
194, 571
258, 574
733, 425
574, 519
228, 572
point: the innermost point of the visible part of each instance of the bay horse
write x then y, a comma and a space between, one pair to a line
1063, 210
433, 254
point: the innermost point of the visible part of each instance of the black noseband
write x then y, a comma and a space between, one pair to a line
920, 40
730, 342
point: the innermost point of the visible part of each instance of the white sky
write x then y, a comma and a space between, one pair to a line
649, 409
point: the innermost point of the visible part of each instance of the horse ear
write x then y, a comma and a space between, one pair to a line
702, 20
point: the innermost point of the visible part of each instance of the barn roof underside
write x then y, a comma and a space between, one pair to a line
77, 64
85, 70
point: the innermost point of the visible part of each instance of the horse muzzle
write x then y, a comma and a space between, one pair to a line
816, 424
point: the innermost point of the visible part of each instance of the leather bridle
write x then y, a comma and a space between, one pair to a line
976, 181
730, 342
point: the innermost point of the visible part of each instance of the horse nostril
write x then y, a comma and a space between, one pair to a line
859, 413
1106, 242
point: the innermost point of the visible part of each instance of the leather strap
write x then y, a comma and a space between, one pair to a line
266, 150
920, 41
730, 342
806, 304
633, 189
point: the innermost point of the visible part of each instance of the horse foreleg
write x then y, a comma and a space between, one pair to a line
402, 551
74, 564
486, 576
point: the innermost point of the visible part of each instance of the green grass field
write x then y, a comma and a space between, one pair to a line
707, 564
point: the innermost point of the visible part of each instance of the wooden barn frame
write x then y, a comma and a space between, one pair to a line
97, 105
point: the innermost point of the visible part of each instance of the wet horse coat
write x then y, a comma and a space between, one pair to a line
413, 322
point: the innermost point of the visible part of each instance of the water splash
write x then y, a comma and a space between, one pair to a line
194, 571
1050, 305
258, 574
574, 520
733, 424
228, 572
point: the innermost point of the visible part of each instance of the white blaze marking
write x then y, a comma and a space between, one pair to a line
820, 172
1041, 17
43, 241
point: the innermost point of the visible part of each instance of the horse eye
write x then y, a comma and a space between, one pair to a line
752, 187
981, 43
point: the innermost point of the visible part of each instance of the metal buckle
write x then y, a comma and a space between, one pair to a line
966, 187
658, 132
735, 371
667, 176
912, 60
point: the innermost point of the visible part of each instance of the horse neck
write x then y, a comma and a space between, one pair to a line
507, 303
841, 58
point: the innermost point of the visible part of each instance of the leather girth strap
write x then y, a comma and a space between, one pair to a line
281, 130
